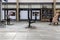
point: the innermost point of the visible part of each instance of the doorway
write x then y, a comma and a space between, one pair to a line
38, 14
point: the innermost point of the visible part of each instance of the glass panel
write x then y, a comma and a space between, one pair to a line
37, 12
23, 14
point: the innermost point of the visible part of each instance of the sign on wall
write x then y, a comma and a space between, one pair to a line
12, 14
33, 14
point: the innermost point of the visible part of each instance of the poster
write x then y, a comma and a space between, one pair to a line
12, 14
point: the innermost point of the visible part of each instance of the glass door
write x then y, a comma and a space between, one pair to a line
37, 12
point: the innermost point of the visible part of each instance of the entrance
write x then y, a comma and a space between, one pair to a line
37, 12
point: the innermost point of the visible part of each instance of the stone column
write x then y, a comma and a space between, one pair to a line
17, 10
54, 6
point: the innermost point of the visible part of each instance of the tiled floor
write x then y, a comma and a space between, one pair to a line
43, 31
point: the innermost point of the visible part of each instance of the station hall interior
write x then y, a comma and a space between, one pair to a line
29, 19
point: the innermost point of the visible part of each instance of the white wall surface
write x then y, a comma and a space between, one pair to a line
3, 1
9, 1
36, 0
9, 6
35, 6
32, 6
23, 6
57, 0
32, 0
57, 6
